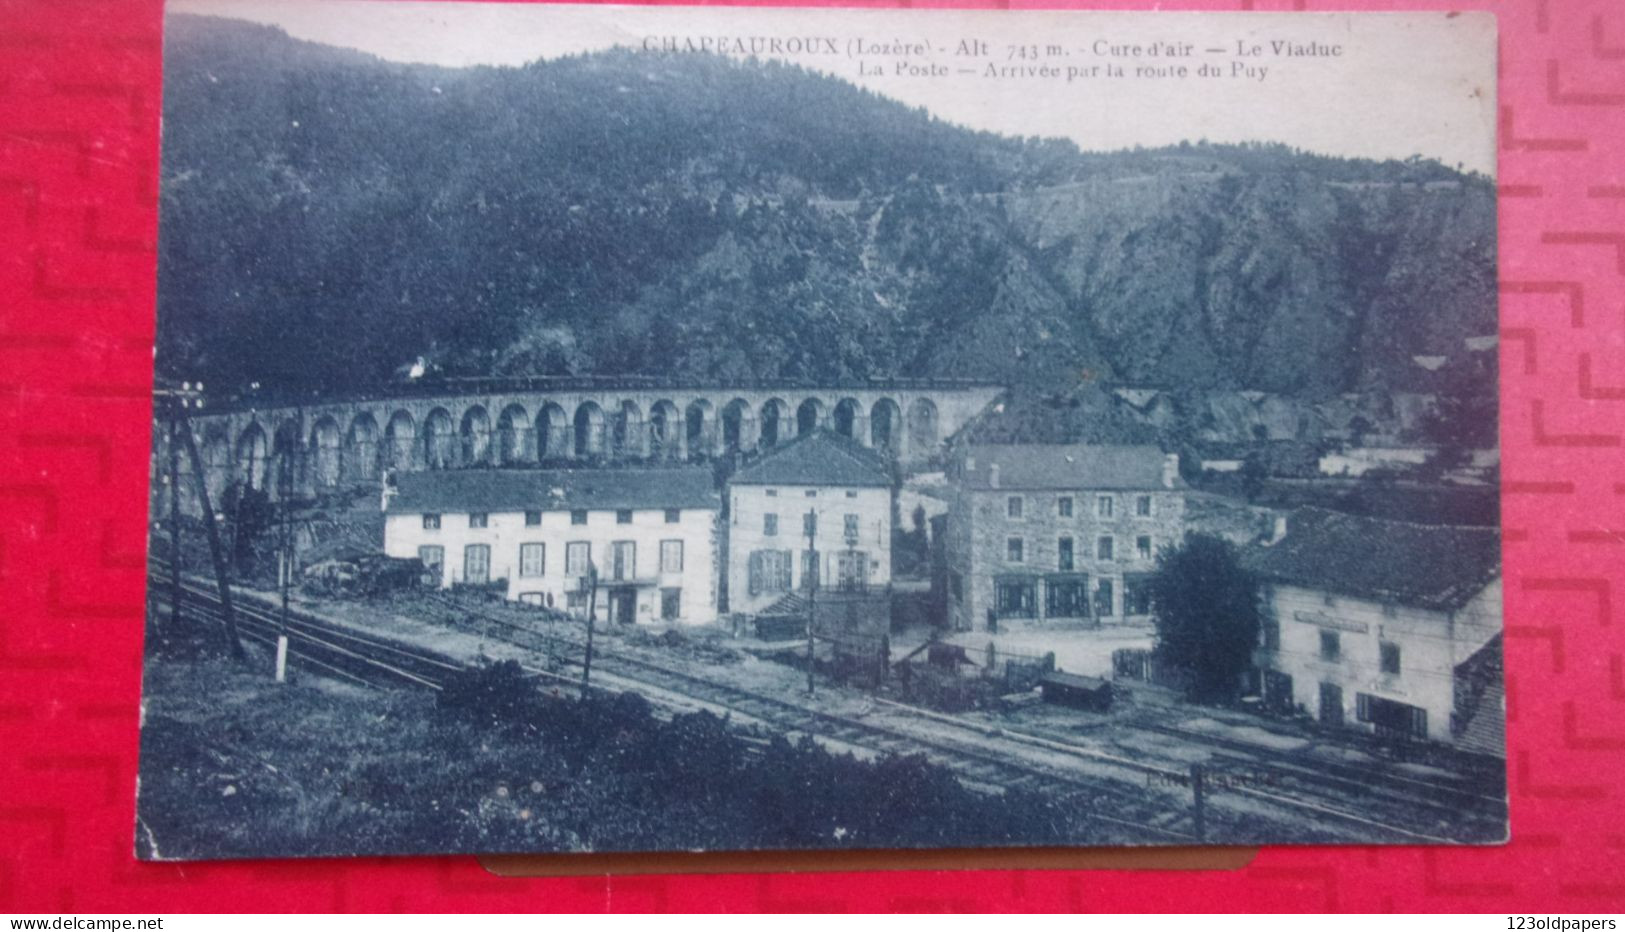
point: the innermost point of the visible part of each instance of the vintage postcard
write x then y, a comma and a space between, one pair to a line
618, 429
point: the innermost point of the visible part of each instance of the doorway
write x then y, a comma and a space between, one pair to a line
623, 605
1331, 704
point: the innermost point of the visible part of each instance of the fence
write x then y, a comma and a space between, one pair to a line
1137, 663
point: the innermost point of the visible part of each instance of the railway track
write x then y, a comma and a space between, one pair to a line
1302, 796
978, 754
1349, 781
335, 650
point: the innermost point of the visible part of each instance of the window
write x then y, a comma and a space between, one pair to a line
1272, 634
1105, 505
1012, 507
671, 604
956, 586
812, 493
1390, 610
1063, 506
1142, 547
851, 493
849, 528
533, 519
671, 556
575, 599
772, 493
769, 571
477, 563
431, 522
1013, 598
1137, 594
1105, 600
532, 558
1013, 549
1104, 548
809, 524
623, 560
1389, 658
578, 516
623, 516
1063, 554
1142, 506
1329, 600
674, 515
1331, 646
1066, 598
533, 598
479, 519
577, 558
770, 525
434, 564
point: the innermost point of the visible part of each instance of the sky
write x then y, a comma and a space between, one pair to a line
1399, 85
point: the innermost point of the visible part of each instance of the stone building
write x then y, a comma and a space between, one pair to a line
842, 489
1059, 532
652, 535
1385, 626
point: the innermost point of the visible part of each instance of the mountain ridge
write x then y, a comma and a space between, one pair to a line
329, 216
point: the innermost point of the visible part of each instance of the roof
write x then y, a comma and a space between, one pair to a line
476, 490
822, 458
1426, 565
1027, 466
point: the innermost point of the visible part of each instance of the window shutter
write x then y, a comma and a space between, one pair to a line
784, 570
755, 572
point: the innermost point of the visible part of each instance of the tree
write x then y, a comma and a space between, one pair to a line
1206, 608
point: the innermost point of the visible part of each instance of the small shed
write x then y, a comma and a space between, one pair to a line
1081, 692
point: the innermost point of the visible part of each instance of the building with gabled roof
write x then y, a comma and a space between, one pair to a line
651, 535
823, 482
1382, 625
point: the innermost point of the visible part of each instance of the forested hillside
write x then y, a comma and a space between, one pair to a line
328, 217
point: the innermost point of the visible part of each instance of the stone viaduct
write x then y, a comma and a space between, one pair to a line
278, 444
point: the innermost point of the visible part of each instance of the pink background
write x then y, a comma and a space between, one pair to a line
79, 105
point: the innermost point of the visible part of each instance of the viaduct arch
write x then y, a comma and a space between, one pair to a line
306, 448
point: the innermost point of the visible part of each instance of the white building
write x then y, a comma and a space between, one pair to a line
650, 533
1385, 626
841, 489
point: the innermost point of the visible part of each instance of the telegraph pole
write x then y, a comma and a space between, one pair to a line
810, 574
590, 583
180, 433
174, 523
1198, 793
211, 533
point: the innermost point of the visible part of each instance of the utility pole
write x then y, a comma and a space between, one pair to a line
1198, 793
175, 403
590, 583
810, 575
288, 470
211, 533
174, 524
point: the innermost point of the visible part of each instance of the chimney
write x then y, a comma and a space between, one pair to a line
993, 476
1170, 470
1278, 531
